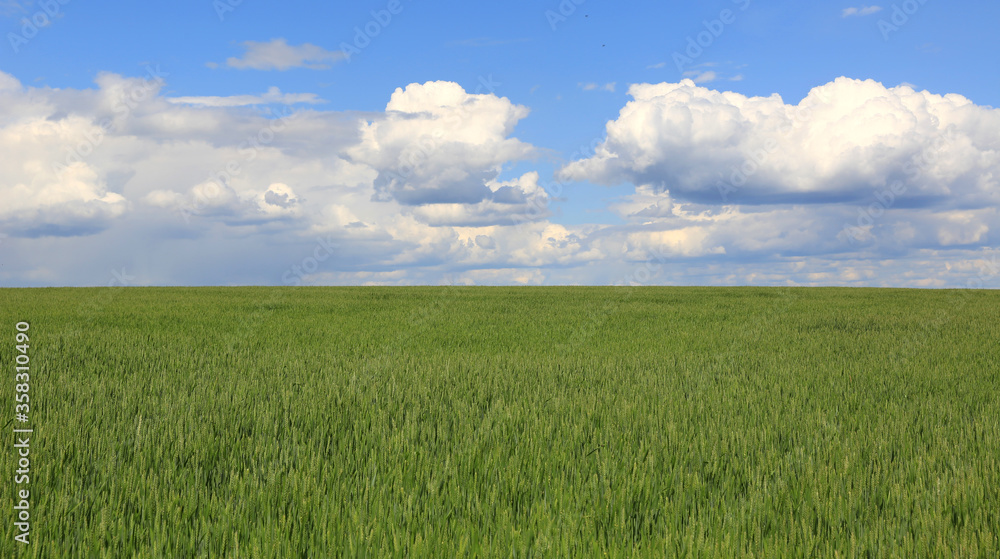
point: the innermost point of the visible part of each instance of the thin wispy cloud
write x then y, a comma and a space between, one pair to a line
862, 11
708, 76
11, 7
277, 54
591, 86
702, 77
273, 95
708, 72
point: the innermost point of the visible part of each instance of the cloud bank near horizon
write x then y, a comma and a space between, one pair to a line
856, 184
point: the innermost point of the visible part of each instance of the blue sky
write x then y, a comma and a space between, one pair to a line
552, 143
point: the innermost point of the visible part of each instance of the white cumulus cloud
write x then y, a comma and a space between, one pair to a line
46, 189
211, 192
845, 140
438, 144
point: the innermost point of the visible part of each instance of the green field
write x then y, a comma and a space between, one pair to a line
464, 422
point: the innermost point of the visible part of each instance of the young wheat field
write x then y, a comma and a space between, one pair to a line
508, 422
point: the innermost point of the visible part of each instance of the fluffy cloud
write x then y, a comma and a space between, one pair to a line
845, 140
76, 157
438, 144
72, 202
508, 202
854, 169
644, 205
45, 188
277, 202
210, 191
9, 82
277, 54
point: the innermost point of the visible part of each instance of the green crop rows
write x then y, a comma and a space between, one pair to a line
462, 422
